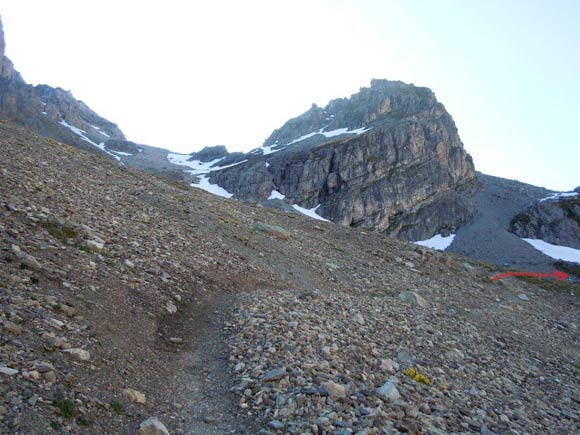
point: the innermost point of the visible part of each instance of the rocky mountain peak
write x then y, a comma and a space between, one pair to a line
384, 100
387, 158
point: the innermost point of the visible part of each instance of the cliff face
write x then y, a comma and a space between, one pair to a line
554, 220
52, 112
389, 158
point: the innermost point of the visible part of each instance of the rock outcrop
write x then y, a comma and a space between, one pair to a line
208, 154
555, 220
388, 158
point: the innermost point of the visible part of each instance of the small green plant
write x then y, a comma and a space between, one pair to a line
54, 424
83, 420
84, 248
229, 220
61, 232
553, 285
117, 407
66, 407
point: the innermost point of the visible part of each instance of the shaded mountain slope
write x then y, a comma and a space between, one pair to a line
487, 235
554, 219
181, 295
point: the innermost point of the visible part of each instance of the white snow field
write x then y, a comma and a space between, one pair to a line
555, 251
437, 242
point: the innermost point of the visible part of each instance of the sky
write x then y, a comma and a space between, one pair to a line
186, 74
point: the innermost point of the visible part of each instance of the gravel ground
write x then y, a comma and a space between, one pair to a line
126, 297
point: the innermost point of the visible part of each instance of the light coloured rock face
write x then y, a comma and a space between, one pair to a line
407, 175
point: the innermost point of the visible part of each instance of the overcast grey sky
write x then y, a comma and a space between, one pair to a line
186, 74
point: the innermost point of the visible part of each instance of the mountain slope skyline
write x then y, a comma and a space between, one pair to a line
509, 89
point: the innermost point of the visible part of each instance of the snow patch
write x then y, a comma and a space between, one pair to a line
198, 167
276, 195
81, 133
267, 164
100, 131
101, 146
559, 195
310, 212
121, 153
204, 184
339, 131
266, 150
555, 251
438, 242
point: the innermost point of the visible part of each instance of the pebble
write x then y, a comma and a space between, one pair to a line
12, 327
336, 391
95, 245
80, 354
387, 365
413, 298
8, 371
276, 424
171, 308
274, 375
134, 395
389, 391
523, 297
152, 426
358, 318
